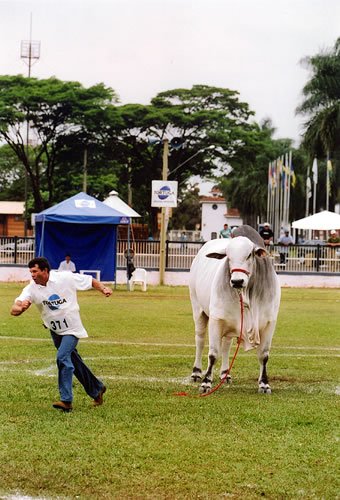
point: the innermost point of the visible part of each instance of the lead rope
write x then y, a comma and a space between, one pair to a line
239, 340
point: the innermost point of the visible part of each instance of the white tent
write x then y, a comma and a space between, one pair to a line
325, 221
115, 202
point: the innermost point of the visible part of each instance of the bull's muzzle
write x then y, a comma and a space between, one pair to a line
238, 282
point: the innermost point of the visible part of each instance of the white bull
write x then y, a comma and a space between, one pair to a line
220, 271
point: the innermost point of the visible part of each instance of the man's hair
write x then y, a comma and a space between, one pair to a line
41, 262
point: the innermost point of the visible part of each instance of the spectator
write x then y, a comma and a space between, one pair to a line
225, 232
333, 240
284, 242
184, 240
67, 264
267, 234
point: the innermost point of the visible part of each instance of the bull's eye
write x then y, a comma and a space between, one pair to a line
249, 256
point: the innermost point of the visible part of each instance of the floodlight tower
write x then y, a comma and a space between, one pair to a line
30, 53
30, 50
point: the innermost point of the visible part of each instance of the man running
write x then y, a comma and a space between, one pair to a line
55, 295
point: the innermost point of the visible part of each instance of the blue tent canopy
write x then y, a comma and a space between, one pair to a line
83, 227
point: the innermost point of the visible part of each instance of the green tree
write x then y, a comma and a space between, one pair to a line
12, 175
206, 127
187, 214
321, 106
246, 186
54, 111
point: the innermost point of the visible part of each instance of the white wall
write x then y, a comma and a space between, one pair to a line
212, 220
21, 274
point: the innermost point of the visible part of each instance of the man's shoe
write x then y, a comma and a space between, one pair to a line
63, 406
99, 399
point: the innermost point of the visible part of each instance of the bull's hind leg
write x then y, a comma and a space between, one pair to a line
263, 356
201, 321
215, 328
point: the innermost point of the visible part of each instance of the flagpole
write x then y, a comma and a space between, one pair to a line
315, 181
269, 192
307, 192
327, 182
289, 182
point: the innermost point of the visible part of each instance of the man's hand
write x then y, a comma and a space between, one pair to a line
19, 307
106, 291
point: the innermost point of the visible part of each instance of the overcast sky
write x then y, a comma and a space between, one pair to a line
142, 47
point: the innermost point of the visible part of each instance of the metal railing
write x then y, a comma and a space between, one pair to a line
179, 256
16, 250
298, 259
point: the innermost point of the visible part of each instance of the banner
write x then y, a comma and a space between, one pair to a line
164, 194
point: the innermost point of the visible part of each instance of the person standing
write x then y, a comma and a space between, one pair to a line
285, 241
334, 251
225, 232
67, 264
55, 295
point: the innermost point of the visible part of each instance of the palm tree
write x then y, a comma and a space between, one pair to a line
321, 106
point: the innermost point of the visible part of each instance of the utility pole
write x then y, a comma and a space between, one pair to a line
163, 225
30, 50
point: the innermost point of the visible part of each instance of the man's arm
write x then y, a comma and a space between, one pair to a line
97, 285
19, 307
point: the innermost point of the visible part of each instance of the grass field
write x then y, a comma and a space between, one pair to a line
147, 443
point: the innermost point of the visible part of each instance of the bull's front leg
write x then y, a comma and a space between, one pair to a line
215, 330
263, 356
201, 321
225, 349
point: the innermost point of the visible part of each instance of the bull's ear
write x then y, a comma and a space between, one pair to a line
215, 255
260, 252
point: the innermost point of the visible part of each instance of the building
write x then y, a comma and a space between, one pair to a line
12, 218
215, 214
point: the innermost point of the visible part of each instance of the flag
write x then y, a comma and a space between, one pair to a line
308, 187
292, 173
273, 176
315, 171
329, 173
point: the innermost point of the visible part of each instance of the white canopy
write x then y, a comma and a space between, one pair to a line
115, 202
325, 221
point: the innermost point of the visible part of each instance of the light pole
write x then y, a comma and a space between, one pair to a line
190, 158
165, 173
30, 50
163, 225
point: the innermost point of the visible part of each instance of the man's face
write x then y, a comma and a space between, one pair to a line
40, 277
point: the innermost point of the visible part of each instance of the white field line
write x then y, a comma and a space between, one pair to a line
51, 372
185, 381
143, 357
161, 344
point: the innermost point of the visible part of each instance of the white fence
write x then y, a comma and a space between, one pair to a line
179, 256
300, 259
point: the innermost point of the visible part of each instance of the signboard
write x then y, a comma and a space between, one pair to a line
81, 203
164, 194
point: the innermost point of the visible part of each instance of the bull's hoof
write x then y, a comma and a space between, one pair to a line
227, 379
205, 387
196, 375
264, 389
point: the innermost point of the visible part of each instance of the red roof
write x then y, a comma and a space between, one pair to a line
212, 199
